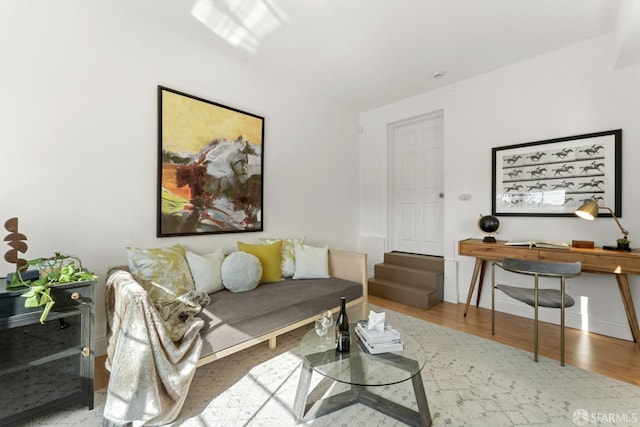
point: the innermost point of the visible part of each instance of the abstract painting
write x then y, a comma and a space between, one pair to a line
210, 163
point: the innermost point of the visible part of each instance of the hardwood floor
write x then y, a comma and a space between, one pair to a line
612, 357
101, 375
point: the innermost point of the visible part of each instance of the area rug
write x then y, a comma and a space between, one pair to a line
469, 381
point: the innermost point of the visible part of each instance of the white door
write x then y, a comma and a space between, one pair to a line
416, 185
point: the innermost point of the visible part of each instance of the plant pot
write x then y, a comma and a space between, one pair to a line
48, 266
624, 246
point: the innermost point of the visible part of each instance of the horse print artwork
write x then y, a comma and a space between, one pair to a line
555, 177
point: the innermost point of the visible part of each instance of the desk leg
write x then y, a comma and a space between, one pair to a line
480, 263
480, 282
625, 293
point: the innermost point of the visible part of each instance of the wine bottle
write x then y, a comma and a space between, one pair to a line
343, 336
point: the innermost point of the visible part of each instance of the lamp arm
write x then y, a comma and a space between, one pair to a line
625, 233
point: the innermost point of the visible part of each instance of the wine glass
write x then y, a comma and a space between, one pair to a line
327, 316
322, 325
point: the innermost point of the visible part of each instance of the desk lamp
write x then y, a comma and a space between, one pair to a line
590, 211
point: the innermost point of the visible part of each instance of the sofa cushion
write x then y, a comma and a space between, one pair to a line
233, 318
311, 262
269, 256
163, 271
206, 270
241, 272
288, 262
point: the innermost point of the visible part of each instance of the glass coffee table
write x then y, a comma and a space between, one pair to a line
363, 372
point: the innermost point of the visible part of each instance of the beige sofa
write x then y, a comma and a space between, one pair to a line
234, 321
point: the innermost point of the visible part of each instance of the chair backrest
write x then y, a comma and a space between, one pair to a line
542, 268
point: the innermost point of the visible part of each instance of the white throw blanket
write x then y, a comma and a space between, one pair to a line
152, 352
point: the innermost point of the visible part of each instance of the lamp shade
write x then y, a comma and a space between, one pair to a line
588, 211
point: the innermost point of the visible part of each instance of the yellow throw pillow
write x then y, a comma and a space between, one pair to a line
288, 264
269, 256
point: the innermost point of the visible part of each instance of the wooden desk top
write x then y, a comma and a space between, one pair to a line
596, 260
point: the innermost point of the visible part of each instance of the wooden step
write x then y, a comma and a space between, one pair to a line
412, 279
426, 279
405, 294
424, 262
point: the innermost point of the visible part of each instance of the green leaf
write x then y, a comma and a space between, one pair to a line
40, 282
45, 296
32, 302
31, 292
45, 312
16, 283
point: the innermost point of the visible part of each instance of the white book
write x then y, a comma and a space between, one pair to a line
386, 347
374, 337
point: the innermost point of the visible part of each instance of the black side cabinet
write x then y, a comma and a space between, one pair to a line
50, 366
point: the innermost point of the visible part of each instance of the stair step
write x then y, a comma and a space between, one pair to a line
406, 294
409, 276
411, 279
424, 262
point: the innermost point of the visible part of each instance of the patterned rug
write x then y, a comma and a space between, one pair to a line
469, 381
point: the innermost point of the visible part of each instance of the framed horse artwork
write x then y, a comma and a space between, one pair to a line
556, 176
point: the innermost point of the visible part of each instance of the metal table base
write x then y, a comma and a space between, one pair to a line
305, 411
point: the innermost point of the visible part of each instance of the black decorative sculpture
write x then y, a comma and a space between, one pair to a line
489, 225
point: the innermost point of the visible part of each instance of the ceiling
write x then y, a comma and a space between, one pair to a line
368, 53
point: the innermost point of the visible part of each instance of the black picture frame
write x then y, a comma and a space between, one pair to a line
210, 167
554, 177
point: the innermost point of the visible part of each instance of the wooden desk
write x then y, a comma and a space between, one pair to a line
593, 261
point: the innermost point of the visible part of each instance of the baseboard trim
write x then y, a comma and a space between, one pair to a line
549, 315
100, 346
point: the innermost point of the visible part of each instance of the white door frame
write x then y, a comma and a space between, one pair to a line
391, 127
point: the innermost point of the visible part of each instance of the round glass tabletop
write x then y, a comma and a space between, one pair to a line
358, 366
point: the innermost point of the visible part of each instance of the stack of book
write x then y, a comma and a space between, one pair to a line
379, 342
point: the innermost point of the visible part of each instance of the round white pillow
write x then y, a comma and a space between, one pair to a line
241, 271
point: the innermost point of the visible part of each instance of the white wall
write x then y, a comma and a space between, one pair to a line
78, 136
572, 91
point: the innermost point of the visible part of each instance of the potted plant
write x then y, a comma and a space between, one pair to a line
623, 243
55, 270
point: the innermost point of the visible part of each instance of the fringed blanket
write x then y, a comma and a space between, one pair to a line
152, 352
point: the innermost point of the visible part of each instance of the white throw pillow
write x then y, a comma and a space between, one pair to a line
206, 270
311, 262
241, 271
